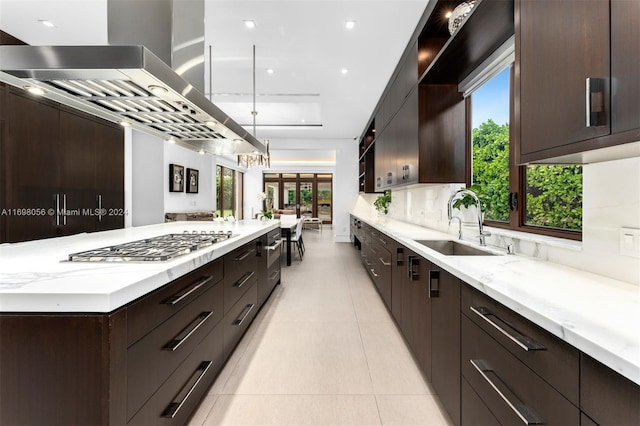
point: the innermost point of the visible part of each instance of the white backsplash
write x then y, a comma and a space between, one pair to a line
611, 200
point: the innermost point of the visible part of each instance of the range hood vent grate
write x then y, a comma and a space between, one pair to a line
117, 82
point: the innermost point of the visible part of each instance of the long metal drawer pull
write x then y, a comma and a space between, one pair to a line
64, 209
176, 298
385, 263
174, 407
187, 331
522, 341
99, 208
275, 246
57, 209
249, 308
244, 279
526, 414
595, 102
373, 271
243, 255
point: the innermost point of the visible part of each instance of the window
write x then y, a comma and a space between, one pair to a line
229, 192
305, 194
552, 202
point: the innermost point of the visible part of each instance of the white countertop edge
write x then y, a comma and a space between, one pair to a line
149, 275
587, 334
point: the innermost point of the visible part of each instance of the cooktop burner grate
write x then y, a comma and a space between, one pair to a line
156, 249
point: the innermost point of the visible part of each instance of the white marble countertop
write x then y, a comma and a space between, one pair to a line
35, 276
597, 315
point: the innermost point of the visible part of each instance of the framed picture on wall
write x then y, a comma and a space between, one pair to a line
192, 181
176, 178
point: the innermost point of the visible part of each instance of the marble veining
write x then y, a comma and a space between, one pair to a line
36, 277
598, 315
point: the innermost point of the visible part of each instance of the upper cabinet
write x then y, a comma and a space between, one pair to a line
421, 118
578, 77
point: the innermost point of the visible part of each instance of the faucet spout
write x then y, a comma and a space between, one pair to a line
460, 193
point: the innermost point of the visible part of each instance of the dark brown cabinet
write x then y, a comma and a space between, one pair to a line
578, 84
444, 290
606, 396
148, 363
487, 364
63, 171
268, 251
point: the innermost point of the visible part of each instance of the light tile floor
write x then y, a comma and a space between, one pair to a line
323, 350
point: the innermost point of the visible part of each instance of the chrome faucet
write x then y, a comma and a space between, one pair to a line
459, 225
462, 192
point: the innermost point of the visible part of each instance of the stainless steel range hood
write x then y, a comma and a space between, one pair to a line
127, 84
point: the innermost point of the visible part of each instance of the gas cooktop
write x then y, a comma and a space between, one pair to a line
156, 249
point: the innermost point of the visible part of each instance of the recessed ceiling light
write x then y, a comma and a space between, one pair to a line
238, 140
350, 24
158, 90
124, 123
344, 70
249, 24
171, 140
35, 90
46, 23
270, 71
448, 14
201, 152
211, 124
303, 121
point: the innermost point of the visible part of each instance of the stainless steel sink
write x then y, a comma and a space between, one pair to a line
454, 248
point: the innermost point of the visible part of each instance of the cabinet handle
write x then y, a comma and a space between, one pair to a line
526, 414
57, 209
384, 263
99, 208
64, 209
522, 341
389, 178
368, 263
176, 298
243, 255
248, 308
595, 102
174, 407
383, 241
244, 279
187, 332
274, 246
411, 273
399, 256
378, 182
373, 271
434, 284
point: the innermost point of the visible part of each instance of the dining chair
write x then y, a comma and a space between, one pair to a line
297, 238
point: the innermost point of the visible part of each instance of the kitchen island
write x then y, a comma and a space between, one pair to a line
114, 342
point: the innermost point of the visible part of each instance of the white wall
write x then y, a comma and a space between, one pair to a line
147, 179
176, 202
611, 199
345, 188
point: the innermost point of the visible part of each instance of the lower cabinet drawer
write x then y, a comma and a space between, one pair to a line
555, 361
180, 394
239, 273
474, 411
606, 396
151, 360
237, 320
510, 390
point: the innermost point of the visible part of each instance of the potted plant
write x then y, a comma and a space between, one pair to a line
467, 201
382, 202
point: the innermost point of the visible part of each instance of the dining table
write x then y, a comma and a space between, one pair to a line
287, 229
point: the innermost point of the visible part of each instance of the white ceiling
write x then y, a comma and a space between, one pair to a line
305, 42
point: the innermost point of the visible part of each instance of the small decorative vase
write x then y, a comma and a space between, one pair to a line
459, 14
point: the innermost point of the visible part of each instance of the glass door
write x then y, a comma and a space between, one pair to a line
325, 204
290, 198
306, 199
